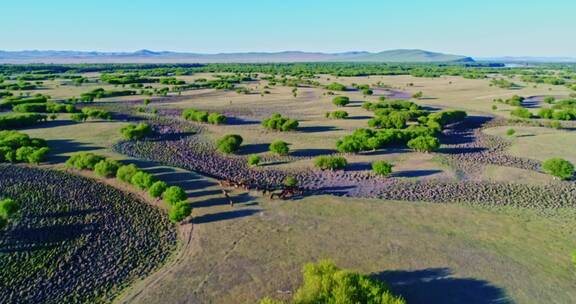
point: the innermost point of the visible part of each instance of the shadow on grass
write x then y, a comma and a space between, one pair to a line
317, 129
415, 173
253, 149
437, 285
59, 147
220, 201
237, 121
311, 152
27, 239
222, 216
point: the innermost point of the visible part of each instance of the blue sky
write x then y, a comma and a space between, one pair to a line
475, 28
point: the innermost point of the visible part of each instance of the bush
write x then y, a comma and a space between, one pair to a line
339, 115
97, 113
229, 143
559, 167
11, 121
174, 194
330, 162
79, 117
341, 101
8, 207
136, 131
84, 160
253, 160
279, 123
367, 92
157, 189
279, 147
126, 172
179, 211
555, 124
424, 143
510, 132
336, 87
106, 168
382, 168
290, 182
203, 116
521, 112
546, 113
142, 180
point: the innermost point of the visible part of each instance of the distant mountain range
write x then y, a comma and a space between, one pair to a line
147, 56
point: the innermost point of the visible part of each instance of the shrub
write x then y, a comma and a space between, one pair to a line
8, 207
174, 194
382, 167
142, 180
290, 182
338, 115
366, 92
546, 113
97, 113
279, 147
549, 99
555, 124
521, 112
203, 116
279, 123
229, 143
179, 211
330, 162
79, 117
418, 95
126, 172
341, 101
253, 160
136, 131
11, 121
424, 143
216, 118
559, 167
106, 168
84, 160
336, 87
157, 189
510, 132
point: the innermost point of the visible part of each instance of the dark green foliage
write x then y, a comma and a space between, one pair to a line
84, 160
172, 81
136, 131
49, 107
157, 189
101, 93
279, 147
179, 211
367, 92
336, 87
142, 180
106, 168
216, 118
521, 112
325, 283
16, 100
290, 182
279, 123
424, 143
325, 162
382, 168
173, 195
19, 147
253, 160
12, 121
229, 143
126, 172
559, 167
341, 101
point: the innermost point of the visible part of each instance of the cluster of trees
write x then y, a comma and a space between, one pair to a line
559, 168
341, 101
11, 101
123, 79
19, 147
101, 93
91, 113
19, 86
279, 123
136, 131
172, 81
47, 107
8, 210
11, 121
230, 143
513, 101
174, 196
337, 114
328, 162
279, 147
336, 87
204, 116
323, 282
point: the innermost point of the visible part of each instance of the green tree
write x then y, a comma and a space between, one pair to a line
424, 143
106, 168
8, 207
326, 162
341, 101
174, 194
142, 180
279, 147
290, 182
510, 132
179, 211
253, 160
126, 172
382, 168
229, 143
157, 189
559, 167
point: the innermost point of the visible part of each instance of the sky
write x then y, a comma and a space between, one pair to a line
472, 28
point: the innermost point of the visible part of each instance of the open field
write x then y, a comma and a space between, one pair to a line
474, 220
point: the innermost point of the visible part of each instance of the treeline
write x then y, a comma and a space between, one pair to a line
175, 197
11, 101
102, 93
13, 121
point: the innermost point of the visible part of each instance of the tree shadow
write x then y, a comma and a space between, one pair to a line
360, 166
59, 147
317, 129
461, 150
237, 121
253, 149
437, 285
220, 201
36, 238
415, 173
361, 117
311, 152
222, 216
336, 190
